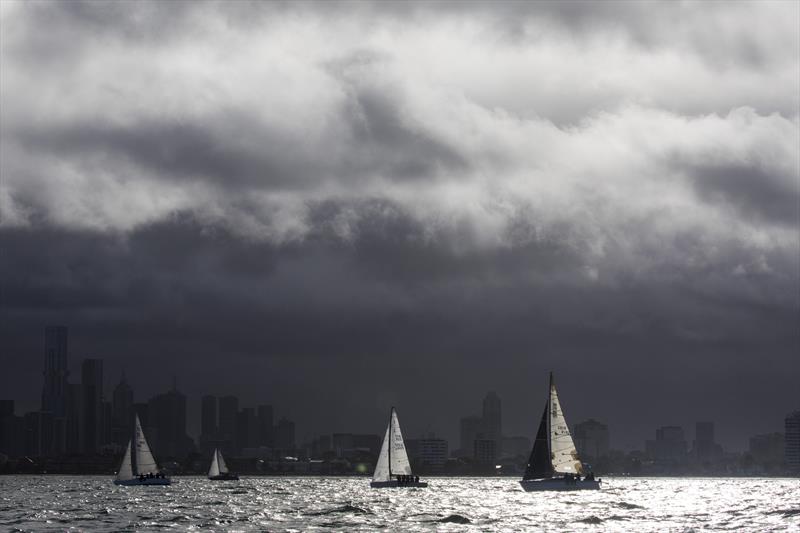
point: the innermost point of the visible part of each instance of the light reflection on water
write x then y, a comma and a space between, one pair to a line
58, 503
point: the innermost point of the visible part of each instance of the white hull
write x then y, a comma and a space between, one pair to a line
558, 483
396, 484
146, 481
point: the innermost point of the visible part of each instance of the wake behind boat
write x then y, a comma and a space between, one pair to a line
138, 464
219, 470
554, 463
393, 468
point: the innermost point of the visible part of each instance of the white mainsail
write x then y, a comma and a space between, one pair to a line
125, 470
563, 454
145, 462
223, 468
393, 459
214, 470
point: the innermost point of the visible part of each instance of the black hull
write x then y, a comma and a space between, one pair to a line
224, 477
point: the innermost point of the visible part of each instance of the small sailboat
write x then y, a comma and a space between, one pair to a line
393, 468
554, 463
219, 470
138, 464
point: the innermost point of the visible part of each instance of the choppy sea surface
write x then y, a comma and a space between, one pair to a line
82, 503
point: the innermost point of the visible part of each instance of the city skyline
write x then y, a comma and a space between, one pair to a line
101, 386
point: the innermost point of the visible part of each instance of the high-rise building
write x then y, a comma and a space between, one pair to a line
12, 430
791, 443
167, 420
284, 435
428, 453
705, 448
6, 408
767, 448
38, 433
75, 437
247, 428
54, 392
208, 416
469, 427
669, 446
228, 409
265, 425
122, 412
92, 382
591, 439
485, 451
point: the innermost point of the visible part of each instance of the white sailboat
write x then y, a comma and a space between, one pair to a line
393, 468
138, 464
219, 470
554, 463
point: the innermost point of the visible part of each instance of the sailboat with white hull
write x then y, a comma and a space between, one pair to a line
554, 463
219, 470
138, 464
393, 468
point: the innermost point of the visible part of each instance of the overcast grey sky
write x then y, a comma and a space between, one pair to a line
338, 206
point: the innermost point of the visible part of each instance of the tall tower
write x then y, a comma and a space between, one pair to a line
792, 442
122, 412
54, 392
92, 381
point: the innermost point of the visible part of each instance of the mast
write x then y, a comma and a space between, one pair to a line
134, 447
549, 417
391, 440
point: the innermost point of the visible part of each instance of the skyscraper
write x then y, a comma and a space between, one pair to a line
54, 392
228, 411
167, 417
92, 382
208, 416
791, 444
122, 412
705, 448
591, 439
265, 423
284, 435
469, 427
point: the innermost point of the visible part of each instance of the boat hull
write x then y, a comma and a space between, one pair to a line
224, 477
558, 483
147, 481
392, 484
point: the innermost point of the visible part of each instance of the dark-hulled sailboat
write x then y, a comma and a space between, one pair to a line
554, 463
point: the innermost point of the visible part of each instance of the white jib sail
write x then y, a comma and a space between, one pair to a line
125, 471
214, 470
223, 468
145, 462
382, 466
400, 464
564, 456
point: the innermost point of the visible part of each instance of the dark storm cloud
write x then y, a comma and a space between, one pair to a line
303, 195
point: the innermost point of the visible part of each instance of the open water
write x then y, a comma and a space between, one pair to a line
63, 503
